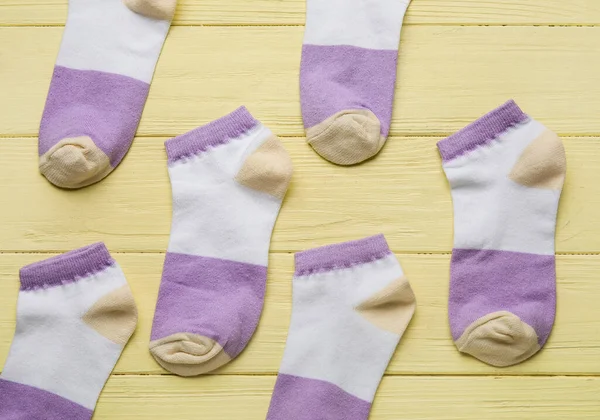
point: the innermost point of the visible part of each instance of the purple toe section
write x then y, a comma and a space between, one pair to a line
341, 77
297, 398
215, 298
486, 281
23, 402
106, 107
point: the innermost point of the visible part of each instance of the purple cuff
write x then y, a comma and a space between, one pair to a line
210, 135
483, 131
66, 268
344, 255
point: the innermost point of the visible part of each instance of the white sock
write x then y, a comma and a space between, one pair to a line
229, 178
74, 316
351, 305
99, 87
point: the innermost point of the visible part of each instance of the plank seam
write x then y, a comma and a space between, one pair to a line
291, 136
403, 252
272, 25
433, 375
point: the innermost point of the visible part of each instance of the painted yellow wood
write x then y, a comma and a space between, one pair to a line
427, 347
415, 398
448, 76
292, 12
402, 193
458, 59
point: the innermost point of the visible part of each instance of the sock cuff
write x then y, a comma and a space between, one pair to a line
343, 255
482, 131
66, 268
217, 132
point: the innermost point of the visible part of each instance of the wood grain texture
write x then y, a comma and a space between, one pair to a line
403, 193
458, 59
448, 76
426, 349
291, 12
415, 398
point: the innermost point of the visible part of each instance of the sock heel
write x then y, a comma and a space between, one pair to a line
267, 169
155, 9
114, 315
543, 164
348, 137
392, 308
500, 339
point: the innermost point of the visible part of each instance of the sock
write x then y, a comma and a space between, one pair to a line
506, 172
99, 87
74, 316
228, 180
348, 75
351, 305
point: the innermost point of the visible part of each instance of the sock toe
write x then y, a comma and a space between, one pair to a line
74, 163
348, 137
186, 354
500, 339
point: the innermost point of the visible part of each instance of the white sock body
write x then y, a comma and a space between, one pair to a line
104, 35
351, 305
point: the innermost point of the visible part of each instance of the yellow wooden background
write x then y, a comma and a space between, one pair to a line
458, 59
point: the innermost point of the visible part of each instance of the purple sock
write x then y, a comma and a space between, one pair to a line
348, 75
99, 87
506, 172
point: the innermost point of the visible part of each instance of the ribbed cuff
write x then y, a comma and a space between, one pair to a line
210, 135
344, 255
482, 131
66, 268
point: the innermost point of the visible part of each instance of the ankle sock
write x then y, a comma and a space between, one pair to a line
228, 180
74, 316
348, 75
99, 87
351, 306
506, 172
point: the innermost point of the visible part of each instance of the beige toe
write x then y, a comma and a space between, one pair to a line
500, 339
348, 137
74, 163
186, 354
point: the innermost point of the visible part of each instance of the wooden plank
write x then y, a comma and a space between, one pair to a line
415, 398
402, 193
292, 12
448, 76
426, 349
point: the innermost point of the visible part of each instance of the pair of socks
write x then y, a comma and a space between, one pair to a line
228, 180
109, 52
75, 313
